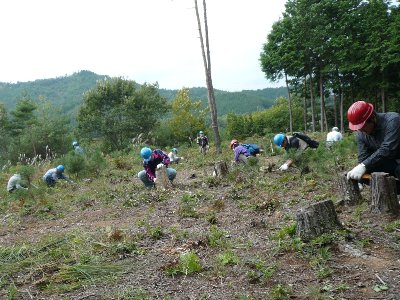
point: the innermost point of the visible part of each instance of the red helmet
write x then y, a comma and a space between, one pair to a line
358, 113
233, 143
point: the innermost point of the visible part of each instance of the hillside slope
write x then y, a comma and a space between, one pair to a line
66, 93
233, 238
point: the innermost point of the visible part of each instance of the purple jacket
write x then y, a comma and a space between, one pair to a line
241, 150
157, 157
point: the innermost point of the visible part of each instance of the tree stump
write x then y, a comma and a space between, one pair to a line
317, 219
220, 169
163, 181
384, 193
350, 191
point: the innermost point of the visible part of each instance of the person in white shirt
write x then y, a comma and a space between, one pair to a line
173, 156
14, 183
333, 136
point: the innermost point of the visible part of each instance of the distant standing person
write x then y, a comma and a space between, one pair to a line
15, 182
202, 141
333, 136
77, 148
151, 161
54, 174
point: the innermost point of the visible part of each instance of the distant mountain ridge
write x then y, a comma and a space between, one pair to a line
66, 93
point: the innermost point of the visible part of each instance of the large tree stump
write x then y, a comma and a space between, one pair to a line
163, 181
350, 191
384, 194
220, 169
317, 219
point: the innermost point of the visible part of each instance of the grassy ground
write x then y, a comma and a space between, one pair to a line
107, 237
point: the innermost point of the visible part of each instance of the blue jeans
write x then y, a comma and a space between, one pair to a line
148, 183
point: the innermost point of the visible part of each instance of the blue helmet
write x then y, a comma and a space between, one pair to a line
60, 168
175, 150
278, 139
145, 153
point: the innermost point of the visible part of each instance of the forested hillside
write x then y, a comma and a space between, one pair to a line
66, 93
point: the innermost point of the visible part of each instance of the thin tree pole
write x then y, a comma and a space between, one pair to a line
207, 68
312, 103
290, 104
305, 104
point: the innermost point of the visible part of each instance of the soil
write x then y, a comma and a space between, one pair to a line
249, 220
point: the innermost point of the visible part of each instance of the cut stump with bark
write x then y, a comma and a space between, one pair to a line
220, 169
316, 219
163, 181
350, 191
384, 193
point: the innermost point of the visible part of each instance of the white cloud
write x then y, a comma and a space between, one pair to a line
142, 40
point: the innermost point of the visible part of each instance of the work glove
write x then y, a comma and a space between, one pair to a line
357, 172
159, 166
155, 179
284, 167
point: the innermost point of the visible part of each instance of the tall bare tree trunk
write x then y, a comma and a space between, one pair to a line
290, 105
207, 68
305, 104
312, 103
321, 95
335, 109
341, 111
383, 100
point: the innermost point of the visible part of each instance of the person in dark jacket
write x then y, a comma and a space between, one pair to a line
378, 140
288, 142
151, 161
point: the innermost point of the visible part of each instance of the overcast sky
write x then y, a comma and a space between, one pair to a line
142, 40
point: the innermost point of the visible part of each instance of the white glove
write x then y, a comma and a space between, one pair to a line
182, 158
155, 179
357, 172
159, 166
284, 167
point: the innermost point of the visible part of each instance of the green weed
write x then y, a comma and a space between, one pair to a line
217, 237
279, 292
188, 263
228, 258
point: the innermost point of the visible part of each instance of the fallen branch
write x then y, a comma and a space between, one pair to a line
380, 279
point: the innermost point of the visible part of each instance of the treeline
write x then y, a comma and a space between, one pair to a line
343, 49
114, 115
66, 94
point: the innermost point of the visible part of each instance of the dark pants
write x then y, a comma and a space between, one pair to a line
388, 166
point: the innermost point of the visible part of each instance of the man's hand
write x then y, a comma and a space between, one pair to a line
284, 167
357, 172
155, 179
159, 166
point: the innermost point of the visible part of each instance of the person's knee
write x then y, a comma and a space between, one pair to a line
171, 173
141, 175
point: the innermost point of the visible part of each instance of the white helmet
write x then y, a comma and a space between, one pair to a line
335, 129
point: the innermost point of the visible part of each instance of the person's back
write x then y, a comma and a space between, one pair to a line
14, 183
295, 143
334, 135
